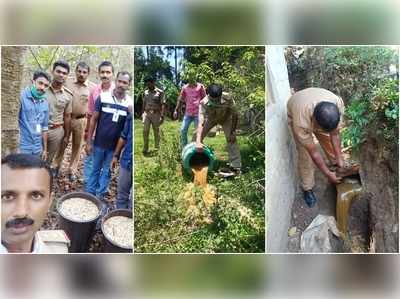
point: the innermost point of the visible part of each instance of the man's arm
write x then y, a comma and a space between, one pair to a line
143, 102
45, 128
199, 130
89, 112
44, 138
319, 161
178, 105
335, 140
235, 121
121, 143
67, 127
93, 123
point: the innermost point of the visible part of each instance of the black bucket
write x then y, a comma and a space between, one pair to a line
109, 245
79, 233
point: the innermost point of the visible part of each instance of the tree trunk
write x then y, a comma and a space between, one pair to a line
11, 76
176, 66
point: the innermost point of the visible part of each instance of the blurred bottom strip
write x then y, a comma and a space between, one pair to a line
211, 276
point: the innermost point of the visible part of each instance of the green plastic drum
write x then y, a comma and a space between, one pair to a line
190, 157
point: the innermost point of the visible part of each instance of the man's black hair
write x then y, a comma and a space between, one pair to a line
83, 65
41, 74
123, 73
327, 115
27, 161
106, 63
214, 90
61, 63
149, 79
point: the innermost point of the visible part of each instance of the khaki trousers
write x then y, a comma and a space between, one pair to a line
154, 120
54, 142
233, 148
77, 129
306, 165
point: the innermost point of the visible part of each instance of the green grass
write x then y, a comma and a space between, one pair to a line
161, 220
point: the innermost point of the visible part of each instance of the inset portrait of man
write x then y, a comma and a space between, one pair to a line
26, 197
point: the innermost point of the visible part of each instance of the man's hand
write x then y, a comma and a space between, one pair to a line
85, 135
161, 119
44, 155
340, 163
175, 115
199, 147
333, 178
114, 162
88, 148
143, 116
65, 141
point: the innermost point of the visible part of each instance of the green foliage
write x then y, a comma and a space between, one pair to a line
378, 115
240, 70
365, 77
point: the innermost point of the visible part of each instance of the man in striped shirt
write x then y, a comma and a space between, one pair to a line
108, 119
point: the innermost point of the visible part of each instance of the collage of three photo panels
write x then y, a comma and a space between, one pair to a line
200, 149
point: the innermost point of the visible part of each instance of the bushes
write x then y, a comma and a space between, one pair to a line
378, 114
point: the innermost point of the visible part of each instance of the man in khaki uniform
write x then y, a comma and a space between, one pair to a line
81, 88
60, 109
219, 108
24, 206
315, 111
152, 113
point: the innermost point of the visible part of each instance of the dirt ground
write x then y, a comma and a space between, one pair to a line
63, 186
325, 192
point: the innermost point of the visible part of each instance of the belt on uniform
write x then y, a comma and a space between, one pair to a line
152, 110
51, 127
78, 116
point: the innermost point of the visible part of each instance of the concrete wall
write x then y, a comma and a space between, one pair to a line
281, 167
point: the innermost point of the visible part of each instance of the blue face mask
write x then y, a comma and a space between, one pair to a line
36, 94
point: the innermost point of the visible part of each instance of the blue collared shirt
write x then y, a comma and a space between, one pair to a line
126, 157
33, 121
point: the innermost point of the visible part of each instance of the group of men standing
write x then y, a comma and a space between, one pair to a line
57, 110
205, 108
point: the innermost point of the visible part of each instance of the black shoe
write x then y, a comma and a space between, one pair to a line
309, 198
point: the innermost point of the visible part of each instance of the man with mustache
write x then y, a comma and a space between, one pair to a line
81, 88
60, 107
108, 120
26, 184
105, 73
34, 116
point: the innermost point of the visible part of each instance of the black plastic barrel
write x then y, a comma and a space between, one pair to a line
79, 233
109, 245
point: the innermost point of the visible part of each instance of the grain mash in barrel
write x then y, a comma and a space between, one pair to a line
79, 209
119, 229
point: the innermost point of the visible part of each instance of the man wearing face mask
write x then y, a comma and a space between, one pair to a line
60, 107
24, 206
218, 108
81, 88
34, 116
111, 111
191, 94
105, 73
